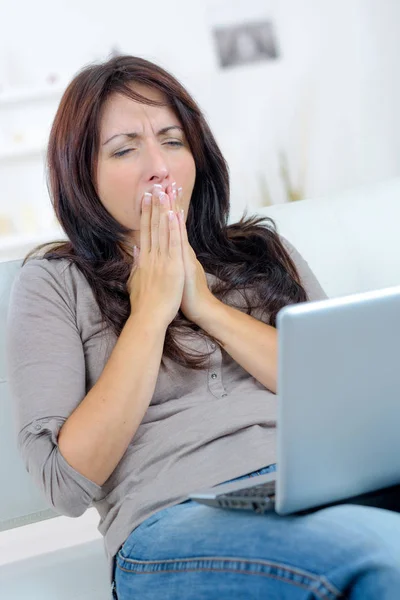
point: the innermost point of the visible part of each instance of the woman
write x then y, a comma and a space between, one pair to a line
142, 358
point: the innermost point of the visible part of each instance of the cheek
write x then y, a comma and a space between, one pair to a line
117, 183
117, 179
186, 179
186, 175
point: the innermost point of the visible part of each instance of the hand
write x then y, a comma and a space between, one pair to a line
196, 297
157, 277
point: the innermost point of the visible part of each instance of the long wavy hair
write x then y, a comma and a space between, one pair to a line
247, 255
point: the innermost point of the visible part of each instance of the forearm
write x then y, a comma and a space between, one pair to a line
250, 342
97, 434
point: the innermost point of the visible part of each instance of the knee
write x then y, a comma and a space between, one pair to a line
368, 531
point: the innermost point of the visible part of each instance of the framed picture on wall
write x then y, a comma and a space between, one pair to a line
245, 43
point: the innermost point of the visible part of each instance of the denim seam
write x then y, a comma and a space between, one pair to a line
320, 585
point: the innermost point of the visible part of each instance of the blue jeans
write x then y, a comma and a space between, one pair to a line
190, 551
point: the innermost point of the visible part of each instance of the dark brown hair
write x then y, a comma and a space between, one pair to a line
247, 255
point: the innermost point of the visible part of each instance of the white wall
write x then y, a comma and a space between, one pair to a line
331, 100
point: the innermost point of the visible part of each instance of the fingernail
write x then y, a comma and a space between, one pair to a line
147, 198
162, 197
173, 185
157, 189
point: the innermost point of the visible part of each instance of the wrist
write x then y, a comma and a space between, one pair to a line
207, 309
146, 321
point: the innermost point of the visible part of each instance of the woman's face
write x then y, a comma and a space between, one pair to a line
140, 145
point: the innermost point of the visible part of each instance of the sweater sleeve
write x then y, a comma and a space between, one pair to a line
46, 374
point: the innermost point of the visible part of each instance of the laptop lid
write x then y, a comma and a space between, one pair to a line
339, 398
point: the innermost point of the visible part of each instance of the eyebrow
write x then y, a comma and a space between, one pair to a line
133, 135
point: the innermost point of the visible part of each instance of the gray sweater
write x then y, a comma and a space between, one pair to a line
201, 428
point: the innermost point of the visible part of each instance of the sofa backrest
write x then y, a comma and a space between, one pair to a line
20, 501
351, 240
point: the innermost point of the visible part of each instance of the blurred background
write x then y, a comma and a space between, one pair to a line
302, 96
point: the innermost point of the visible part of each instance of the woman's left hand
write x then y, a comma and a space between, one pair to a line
196, 297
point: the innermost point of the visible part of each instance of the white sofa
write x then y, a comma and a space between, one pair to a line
351, 241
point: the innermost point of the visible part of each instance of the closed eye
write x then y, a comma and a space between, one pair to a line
170, 143
174, 143
123, 152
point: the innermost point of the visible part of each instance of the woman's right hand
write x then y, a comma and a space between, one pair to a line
157, 278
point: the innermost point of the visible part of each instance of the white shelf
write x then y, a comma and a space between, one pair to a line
14, 247
32, 94
9, 241
23, 151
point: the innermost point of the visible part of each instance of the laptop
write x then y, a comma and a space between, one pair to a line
338, 407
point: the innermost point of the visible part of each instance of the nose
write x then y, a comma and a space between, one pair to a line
157, 169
